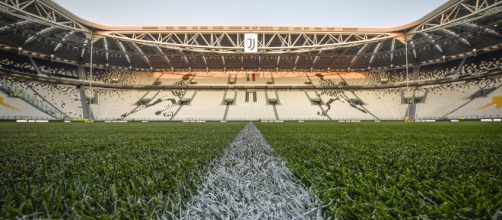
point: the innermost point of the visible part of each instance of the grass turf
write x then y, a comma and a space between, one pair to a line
396, 170
135, 170
362, 170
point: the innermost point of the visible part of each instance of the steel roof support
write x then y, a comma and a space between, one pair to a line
163, 56
412, 44
461, 12
433, 41
64, 39
17, 24
316, 58
39, 10
205, 61
185, 58
375, 51
392, 48
40, 33
340, 56
233, 42
453, 34
296, 60
84, 46
122, 48
483, 29
105, 45
142, 54
356, 57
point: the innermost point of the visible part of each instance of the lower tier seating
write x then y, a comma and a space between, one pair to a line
459, 100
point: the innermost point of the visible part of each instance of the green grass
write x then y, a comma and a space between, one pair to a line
104, 170
143, 170
396, 170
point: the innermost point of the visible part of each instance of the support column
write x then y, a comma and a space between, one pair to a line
410, 112
416, 71
81, 72
89, 102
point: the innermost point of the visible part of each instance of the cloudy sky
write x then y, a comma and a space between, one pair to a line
353, 13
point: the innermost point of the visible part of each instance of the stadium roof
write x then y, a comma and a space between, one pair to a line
456, 27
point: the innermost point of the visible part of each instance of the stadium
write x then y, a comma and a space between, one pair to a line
250, 122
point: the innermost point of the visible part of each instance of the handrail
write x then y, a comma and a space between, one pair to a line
40, 105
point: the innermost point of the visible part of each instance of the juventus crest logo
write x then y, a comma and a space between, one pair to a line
250, 43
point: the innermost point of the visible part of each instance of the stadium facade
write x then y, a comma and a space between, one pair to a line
446, 65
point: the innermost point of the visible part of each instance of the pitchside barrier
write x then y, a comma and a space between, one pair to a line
491, 120
32, 121
263, 121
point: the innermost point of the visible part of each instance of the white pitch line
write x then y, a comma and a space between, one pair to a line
250, 182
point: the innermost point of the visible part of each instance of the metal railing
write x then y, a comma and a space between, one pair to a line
19, 117
17, 92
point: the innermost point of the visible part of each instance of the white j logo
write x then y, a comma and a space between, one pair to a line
250, 43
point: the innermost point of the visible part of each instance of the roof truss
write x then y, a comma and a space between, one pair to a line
40, 11
234, 42
463, 11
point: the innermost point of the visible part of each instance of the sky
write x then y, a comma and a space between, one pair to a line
336, 13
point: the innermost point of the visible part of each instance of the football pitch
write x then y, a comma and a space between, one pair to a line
153, 170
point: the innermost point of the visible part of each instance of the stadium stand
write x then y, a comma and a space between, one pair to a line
64, 98
457, 100
56, 68
384, 104
485, 106
211, 78
160, 107
114, 104
295, 105
249, 109
202, 105
12, 62
288, 78
445, 101
16, 108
